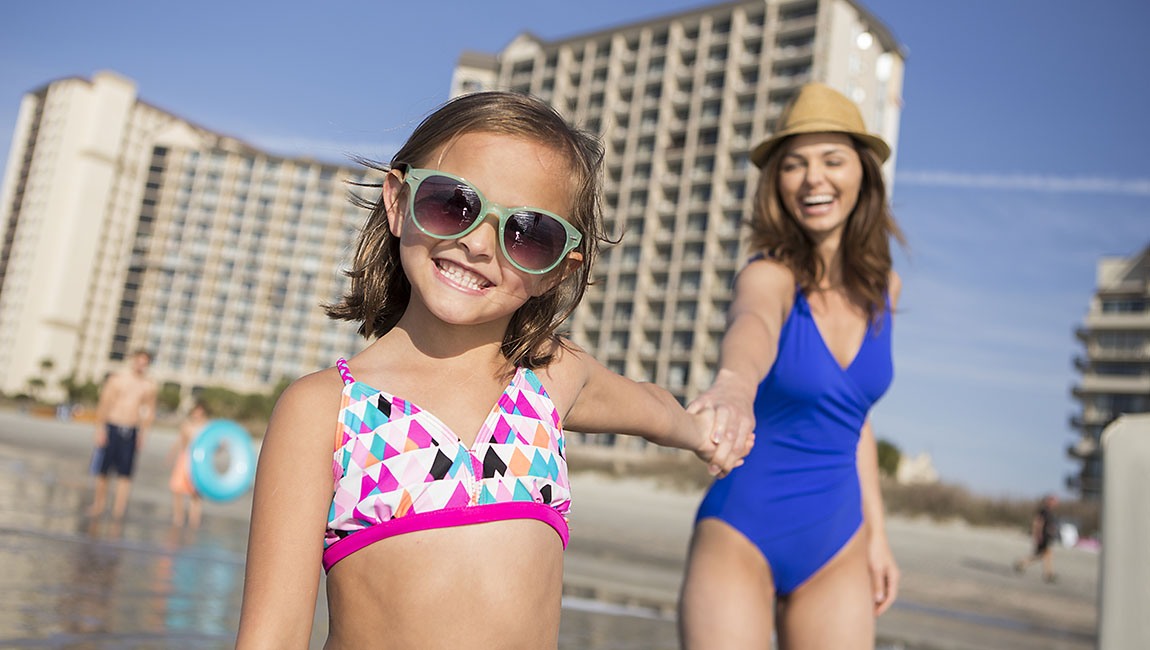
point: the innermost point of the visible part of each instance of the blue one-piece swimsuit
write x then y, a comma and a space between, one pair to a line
797, 495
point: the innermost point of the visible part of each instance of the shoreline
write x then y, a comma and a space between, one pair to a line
629, 542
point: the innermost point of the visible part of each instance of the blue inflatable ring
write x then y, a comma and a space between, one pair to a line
237, 477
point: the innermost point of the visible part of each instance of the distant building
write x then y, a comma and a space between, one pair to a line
916, 471
680, 101
123, 226
1116, 365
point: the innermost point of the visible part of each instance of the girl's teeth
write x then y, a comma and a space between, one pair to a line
461, 277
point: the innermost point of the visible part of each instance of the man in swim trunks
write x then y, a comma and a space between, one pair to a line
126, 412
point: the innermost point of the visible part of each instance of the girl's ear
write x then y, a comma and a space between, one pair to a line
393, 186
566, 267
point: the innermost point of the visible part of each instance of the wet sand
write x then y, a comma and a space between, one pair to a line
72, 582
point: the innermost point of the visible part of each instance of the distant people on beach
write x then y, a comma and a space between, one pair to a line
428, 473
180, 481
796, 535
1044, 531
126, 411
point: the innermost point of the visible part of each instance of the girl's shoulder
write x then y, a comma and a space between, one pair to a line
309, 405
320, 385
567, 372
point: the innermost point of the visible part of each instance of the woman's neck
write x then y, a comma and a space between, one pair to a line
829, 252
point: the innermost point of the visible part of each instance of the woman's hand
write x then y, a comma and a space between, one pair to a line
884, 573
734, 420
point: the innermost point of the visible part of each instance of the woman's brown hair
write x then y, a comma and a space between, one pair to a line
380, 290
865, 246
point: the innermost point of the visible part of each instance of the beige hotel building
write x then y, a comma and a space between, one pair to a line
123, 226
680, 101
1115, 363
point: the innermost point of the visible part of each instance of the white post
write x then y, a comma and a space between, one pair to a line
1124, 568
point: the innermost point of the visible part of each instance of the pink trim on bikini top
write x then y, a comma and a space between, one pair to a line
399, 469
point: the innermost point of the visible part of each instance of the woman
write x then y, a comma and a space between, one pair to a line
797, 532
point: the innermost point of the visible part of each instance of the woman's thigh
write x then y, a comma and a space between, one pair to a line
835, 607
728, 593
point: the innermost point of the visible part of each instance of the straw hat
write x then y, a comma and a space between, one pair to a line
819, 109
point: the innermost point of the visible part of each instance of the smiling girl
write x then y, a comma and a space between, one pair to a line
428, 473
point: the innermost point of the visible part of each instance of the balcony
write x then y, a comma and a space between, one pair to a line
1118, 321
789, 81
1097, 352
1090, 487
793, 53
797, 24
1094, 384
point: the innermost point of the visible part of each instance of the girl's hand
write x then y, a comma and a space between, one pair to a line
734, 416
884, 573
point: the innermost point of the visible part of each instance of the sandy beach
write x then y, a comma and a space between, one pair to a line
78, 583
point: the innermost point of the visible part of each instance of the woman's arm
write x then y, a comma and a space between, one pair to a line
883, 569
293, 492
764, 292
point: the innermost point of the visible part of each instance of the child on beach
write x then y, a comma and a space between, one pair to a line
180, 482
428, 473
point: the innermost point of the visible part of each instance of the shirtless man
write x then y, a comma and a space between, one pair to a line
126, 412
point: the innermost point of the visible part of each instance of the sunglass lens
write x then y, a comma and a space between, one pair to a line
534, 240
444, 206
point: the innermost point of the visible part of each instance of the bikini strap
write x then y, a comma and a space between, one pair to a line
344, 373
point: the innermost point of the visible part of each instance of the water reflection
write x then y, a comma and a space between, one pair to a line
67, 581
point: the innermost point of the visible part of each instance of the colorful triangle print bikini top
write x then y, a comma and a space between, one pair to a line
400, 469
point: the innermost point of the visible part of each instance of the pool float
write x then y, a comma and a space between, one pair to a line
234, 479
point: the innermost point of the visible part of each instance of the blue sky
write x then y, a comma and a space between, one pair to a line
1022, 159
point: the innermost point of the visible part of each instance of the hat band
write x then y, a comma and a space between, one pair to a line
822, 120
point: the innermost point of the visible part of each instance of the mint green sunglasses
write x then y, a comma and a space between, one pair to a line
445, 206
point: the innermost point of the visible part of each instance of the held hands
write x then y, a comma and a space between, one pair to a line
732, 422
884, 573
720, 452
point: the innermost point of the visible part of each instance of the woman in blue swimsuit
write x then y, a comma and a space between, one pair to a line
797, 532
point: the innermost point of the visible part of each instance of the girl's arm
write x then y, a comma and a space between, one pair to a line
605, 402
292, 495
884, 571
764, 292
181, 441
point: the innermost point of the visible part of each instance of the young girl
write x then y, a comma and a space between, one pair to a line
428, 472
180, 482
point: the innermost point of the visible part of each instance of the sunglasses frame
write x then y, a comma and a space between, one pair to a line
414, 177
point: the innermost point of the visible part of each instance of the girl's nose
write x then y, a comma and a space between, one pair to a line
482, 242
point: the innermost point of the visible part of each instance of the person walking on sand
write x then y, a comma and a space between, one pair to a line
1044, 531
796, 534
181, 480
126, 411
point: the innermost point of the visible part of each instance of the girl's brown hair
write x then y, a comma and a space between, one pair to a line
865, 246
380, 290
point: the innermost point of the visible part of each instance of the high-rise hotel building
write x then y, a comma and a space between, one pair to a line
1116, 365
123, 226
680, 101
